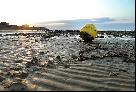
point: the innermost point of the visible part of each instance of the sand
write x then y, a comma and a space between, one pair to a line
43, 63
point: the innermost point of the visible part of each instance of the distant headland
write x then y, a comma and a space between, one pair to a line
6, 26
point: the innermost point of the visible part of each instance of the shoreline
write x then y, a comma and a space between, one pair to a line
72, 32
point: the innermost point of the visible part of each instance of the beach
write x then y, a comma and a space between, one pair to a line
50, 62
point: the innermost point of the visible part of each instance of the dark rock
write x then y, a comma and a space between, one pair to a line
50, 64
66, 66
19, 61
111, 53
123, 70
16, 68
18, 87
35, 68
113, 73
36, 40
28, 64
58, 58
20, 74
23, 75
74, 57
81, 58
1, 78
101, 36
41, 53
27, 46
80, 40
33, 62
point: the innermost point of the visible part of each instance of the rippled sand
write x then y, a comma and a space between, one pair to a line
66, 63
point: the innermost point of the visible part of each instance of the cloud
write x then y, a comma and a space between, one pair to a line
94, 20
101, 23
102, 20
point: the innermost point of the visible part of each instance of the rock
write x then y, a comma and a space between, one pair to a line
101, 36
41, 53
66, 66
58, 58
123, 70
36, 40
35, 68
113, 73
28, 64
23, 75
50, 64
132, 59
111, 53
18, 87
1, 78
33, 62
27, 46
74, 57
19, 61
81, 58
15, 67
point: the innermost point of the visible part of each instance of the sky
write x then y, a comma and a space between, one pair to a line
31, 11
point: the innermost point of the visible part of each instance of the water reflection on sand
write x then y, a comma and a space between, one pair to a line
21, 56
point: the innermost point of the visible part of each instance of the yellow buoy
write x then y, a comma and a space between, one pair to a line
88, 32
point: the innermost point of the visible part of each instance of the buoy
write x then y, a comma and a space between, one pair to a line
88, 32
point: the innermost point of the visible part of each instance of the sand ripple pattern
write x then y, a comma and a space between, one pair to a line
81, 77
34, 62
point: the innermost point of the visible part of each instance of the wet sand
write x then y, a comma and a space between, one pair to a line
65, 62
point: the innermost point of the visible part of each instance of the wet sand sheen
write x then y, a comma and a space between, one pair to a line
66, 63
